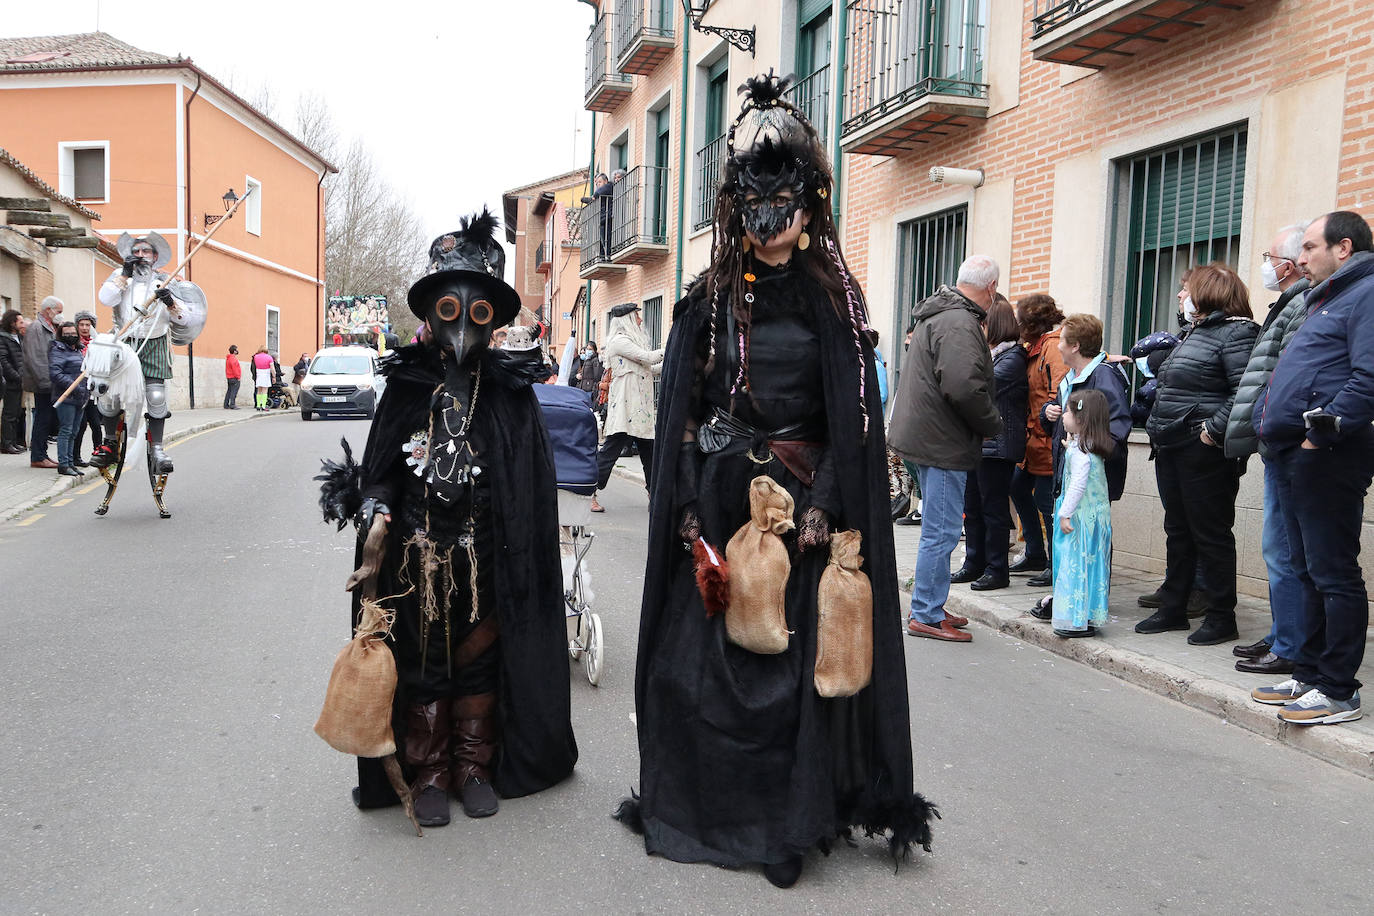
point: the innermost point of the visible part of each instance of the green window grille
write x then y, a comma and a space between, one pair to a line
929, 252
653, 320
662, 154
1185, 203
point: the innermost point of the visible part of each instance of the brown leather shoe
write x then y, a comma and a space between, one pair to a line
46, 463
956, 621
945, 631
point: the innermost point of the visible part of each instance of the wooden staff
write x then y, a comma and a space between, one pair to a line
143, 313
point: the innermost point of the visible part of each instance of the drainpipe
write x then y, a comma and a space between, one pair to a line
591, 179
190, 347
682, 155
319, 259
837, 112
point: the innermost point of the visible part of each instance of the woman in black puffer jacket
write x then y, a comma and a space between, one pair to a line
1197, 482
987, 512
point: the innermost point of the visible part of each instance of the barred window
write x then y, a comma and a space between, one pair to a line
929, 252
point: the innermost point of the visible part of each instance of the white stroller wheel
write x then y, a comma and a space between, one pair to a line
591, 657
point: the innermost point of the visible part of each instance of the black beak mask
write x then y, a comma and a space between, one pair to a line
461, 321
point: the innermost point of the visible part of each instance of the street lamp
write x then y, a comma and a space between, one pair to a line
740, 38
229, 198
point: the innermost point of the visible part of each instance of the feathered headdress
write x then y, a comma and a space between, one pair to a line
341, 491
472, 252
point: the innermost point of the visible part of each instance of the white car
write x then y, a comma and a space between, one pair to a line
342, 381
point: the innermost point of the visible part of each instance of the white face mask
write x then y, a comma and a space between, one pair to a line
1189, 310
1269, 275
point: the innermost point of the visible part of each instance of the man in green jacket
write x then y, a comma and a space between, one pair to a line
943, 410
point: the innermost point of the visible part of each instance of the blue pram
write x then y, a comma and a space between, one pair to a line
571, 424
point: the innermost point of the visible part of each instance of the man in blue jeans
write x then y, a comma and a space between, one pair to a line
1315, 420
943, 410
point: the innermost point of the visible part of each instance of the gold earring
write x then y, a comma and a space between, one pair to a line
803, 241
744, 242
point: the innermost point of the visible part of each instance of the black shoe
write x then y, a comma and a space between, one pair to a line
964, 574
1075, 634
1153, 599
1027, 565
784, 874
478, 798
1197, 604
67, 470
1268, 663
988, 583
1161, 622
80, 463
1217, 628
1043, 609
1254, 650
913, 519
1041, 580
431, 807
103, 457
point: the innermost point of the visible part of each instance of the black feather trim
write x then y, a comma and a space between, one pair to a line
628, 813
765, 89
905, 822
480, 229
341, 492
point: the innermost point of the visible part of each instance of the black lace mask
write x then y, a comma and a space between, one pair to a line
764, 210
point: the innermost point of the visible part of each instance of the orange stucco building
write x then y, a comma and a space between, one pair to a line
153, 143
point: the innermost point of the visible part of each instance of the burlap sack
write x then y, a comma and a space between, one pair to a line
844, 626
756, 617
356, 717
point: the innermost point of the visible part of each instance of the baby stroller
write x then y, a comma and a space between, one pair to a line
279, 396
572, 430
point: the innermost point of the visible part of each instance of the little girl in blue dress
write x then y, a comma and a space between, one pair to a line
1083, 539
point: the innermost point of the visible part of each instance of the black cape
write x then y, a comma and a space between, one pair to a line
741, 761
537, 748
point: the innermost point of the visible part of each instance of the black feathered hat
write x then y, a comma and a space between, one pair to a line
472, 253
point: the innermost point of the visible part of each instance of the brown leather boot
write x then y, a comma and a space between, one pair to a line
474, 749
428, 729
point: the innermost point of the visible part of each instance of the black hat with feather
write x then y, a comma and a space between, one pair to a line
473, 253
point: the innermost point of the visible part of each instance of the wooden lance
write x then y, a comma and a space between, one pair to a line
143, 313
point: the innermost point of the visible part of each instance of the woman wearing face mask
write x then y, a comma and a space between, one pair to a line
1197, 483
64, 365
588, 369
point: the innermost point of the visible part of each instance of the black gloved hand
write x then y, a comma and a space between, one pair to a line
814, 530
129, 264
367, 514
164, 295
690, 529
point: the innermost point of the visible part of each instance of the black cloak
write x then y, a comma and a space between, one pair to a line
537, 748
741, 761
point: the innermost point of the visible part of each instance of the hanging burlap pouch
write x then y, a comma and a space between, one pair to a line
356, 718
756, 618
844, 626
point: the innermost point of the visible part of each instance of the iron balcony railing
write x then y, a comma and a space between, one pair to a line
1058, 12
710, 162
812, 96
635, 18
639, 210
599, 68
901, 50
541, 254
594, 226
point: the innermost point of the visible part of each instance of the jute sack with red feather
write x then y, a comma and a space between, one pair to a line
356, 717
756, 618
844, 626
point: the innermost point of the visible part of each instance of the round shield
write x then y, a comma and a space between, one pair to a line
191, 306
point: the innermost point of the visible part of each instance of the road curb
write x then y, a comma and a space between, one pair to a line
63, 484
1347, 749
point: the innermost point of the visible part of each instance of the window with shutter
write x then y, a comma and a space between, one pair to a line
88, 167
929, 252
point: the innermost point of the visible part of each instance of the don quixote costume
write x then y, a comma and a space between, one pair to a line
456, 510
770, 689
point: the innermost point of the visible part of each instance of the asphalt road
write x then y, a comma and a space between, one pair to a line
161, 678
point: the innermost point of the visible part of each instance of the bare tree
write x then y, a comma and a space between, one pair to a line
315, 125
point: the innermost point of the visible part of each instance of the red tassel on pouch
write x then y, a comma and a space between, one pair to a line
713, 577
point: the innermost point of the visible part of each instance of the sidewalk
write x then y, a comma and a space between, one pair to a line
1204, 678
22, 487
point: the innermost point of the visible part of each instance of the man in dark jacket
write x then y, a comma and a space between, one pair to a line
12, 367
943, 411
37, 340
1315, 420
1274, 653
1080, 346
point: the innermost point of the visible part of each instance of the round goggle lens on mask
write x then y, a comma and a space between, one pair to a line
481, 312
448, 308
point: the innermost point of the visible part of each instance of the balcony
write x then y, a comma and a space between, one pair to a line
606, 88
812, 97
639, 222
710, 163
1100, 33
916, 74
543, 257
643, 34
595, 223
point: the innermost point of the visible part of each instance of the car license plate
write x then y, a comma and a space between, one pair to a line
333, 399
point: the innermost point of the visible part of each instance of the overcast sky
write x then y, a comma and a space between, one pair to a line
459, 100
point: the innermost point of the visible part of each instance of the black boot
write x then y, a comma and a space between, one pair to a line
1216, 628
426, 750
784, 874
161, 463
474, 749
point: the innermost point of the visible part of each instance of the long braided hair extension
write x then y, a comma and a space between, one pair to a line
824, 260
